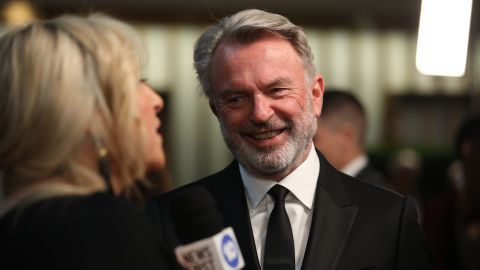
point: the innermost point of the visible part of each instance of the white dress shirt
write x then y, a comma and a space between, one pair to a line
355, 166
302, 184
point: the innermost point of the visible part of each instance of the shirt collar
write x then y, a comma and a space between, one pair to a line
302, 182
355, 166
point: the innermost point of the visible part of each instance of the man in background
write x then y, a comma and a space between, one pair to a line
452, 217
340, 136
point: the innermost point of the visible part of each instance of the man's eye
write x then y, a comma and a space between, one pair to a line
278, 90
234, 100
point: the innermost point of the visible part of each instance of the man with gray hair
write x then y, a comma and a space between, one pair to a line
289, 208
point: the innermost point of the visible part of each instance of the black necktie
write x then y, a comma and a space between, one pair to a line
279, 247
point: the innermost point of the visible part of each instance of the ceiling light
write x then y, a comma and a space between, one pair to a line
443, 37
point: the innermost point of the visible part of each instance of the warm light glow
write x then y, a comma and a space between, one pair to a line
443, 37
18, 12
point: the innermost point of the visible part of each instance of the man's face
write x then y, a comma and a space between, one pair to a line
331, 142
266, 111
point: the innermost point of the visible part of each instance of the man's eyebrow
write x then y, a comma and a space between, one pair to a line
281, 81
278, 82
229, 92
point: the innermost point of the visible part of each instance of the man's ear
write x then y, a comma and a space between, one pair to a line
318, 87
212, 107
348, 130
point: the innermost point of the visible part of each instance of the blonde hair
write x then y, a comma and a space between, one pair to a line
66, 82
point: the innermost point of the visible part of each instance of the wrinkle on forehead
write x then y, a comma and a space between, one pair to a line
239, 62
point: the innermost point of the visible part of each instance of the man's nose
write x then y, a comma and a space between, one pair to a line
261, 109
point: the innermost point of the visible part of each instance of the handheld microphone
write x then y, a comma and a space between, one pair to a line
199, 226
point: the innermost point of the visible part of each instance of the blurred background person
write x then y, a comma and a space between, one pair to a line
452, 217
468, 200
341, 134
404, 172
79, 131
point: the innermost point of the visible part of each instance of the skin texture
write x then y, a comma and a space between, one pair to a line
266, 110
338, 142
150, 104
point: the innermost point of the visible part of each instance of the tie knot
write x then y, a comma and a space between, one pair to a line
278, 193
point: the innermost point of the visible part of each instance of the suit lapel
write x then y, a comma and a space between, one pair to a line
333, 217
332, 220
230, 195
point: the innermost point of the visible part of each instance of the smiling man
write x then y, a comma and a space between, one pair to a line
266, 104
289, 208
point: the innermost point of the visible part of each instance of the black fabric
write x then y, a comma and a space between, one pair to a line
371, 175
92, 232
279, 245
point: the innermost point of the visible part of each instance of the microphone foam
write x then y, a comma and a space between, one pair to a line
195, 214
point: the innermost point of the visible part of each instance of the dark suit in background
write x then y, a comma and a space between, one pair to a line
372, 175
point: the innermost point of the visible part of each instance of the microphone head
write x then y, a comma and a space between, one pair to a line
195, 214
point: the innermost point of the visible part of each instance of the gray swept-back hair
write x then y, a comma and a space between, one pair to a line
245, 27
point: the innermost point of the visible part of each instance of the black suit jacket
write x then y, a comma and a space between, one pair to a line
355, 225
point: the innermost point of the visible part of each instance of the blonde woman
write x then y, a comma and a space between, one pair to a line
78, 132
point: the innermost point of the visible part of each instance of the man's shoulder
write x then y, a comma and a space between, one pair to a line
371, 196
346, 190
371, 174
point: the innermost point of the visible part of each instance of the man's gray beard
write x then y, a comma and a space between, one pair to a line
273, 161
